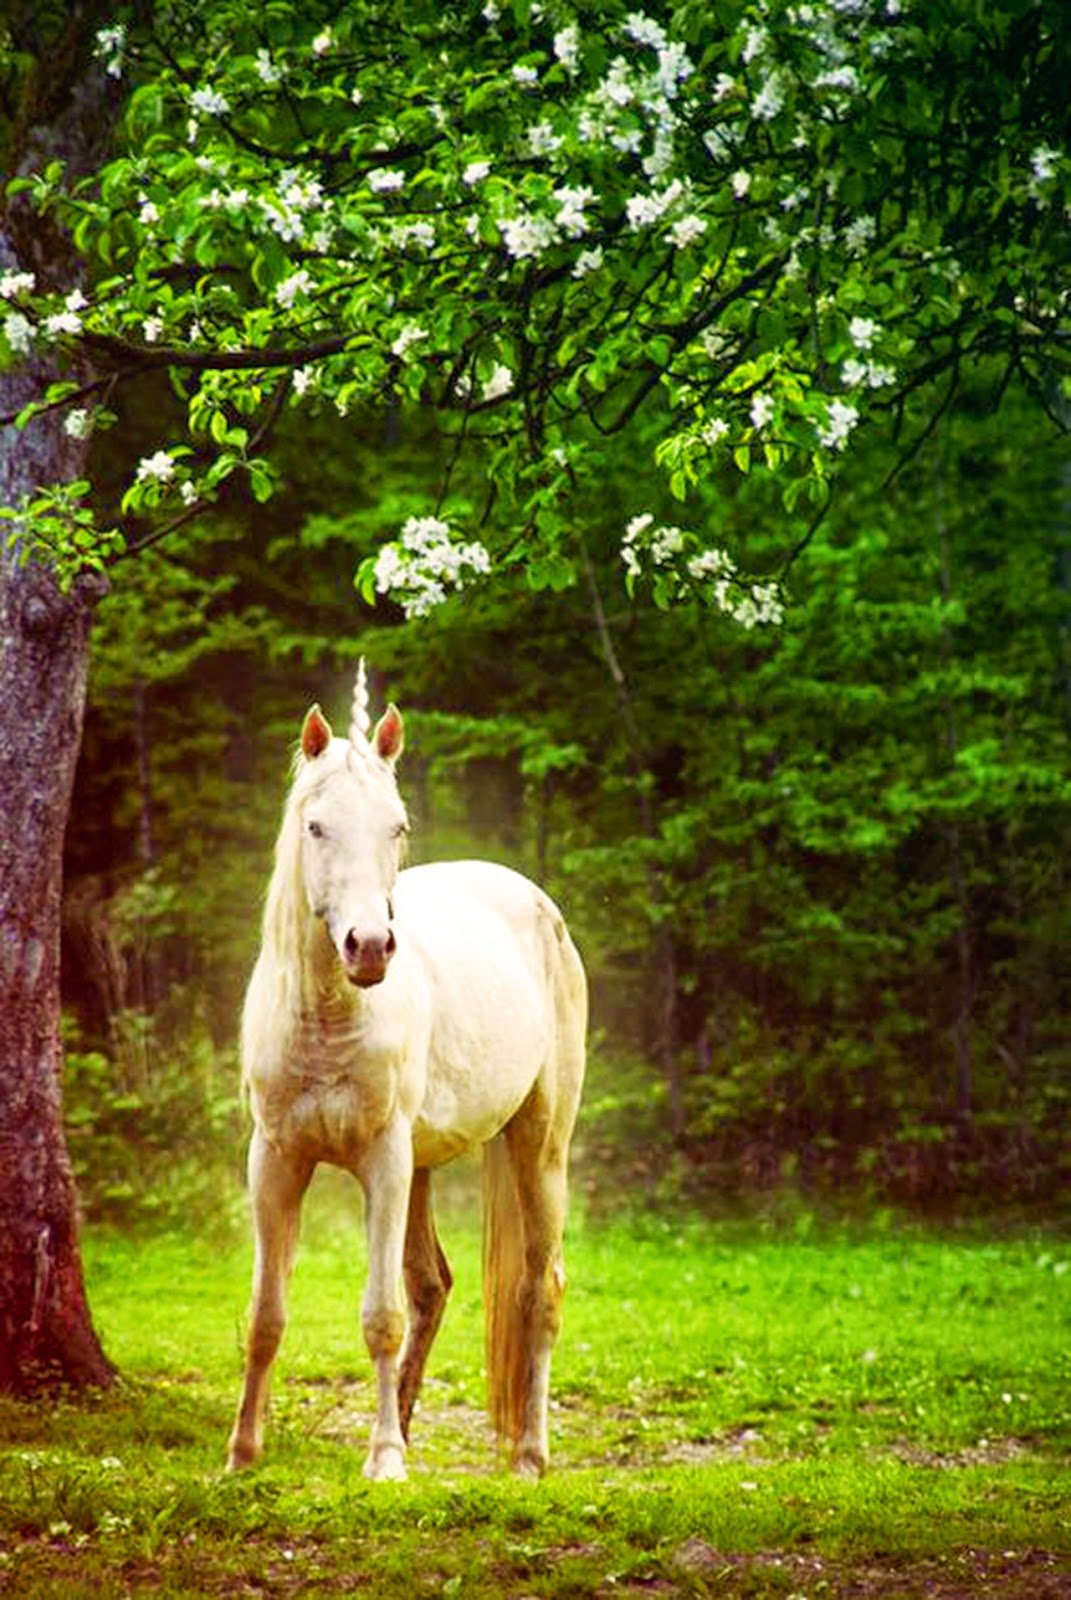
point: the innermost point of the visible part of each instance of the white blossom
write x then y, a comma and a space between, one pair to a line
151, 329
687, 230
148, 211
288, 290
356, 97
13, 284
724, 86
109, 49
874, 374
760, 603
719, 142
78, 424
571, 202
542, 140
879, 375
741, 183
754, 43
1043, 163
714, 431
841, 419
616, 88
188, 491
525, 76
527, 236
769, 100
303, 378
666, 543
661, 156
159, 466
859, 232
861, 331
762, 409
18, 331
588, 261
499, 383
644, 209
63, 322
645, 30
411, 334
475, 172
567, 46
323, 42
425, 562
209, 102
268, 71
385, 180
843, 77
674, 65
422, 233
712, 563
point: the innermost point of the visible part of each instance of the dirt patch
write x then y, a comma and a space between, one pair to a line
740, 1445
986, 1453
962, 1575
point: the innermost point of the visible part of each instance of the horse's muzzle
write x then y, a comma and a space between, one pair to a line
365, 960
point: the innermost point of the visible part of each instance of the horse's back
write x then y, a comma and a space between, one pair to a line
508, 994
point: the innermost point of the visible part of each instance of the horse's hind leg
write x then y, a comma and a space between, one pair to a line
524, 1276
428, 1281
276, 1187
541, 1189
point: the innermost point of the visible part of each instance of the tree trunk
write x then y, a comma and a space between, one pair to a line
46, 1333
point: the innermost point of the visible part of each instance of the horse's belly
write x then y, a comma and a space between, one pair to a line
480, 1070
490, 1034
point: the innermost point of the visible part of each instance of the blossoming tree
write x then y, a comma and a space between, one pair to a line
766, 224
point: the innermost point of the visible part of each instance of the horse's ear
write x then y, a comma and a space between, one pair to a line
315, 734
388, 741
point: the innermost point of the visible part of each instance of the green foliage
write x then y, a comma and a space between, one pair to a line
153, 1127
58, 530
545, 224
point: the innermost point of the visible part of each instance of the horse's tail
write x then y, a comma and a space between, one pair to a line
503, 1266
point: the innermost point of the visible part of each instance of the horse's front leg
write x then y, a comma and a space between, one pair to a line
386, 1173
276, 1186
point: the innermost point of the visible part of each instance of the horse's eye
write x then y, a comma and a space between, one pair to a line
315, 830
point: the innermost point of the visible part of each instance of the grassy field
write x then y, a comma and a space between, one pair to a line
738, 1411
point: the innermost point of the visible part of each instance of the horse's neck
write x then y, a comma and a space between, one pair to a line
325, 994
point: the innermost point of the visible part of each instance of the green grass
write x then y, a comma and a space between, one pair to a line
738, 1411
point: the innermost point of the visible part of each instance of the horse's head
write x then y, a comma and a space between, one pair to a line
353, 825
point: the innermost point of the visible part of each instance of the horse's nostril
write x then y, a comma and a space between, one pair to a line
391, 943
351, 946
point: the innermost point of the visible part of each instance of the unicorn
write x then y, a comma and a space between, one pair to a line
394, 1019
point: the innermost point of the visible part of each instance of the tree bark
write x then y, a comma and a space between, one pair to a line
46, 1332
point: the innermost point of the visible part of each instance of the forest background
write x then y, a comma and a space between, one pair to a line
818, 871
817, 866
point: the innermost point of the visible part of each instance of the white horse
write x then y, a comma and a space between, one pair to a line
394, 1019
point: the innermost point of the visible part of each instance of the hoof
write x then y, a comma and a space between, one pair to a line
386, 1464
240, 1456
529, 1464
